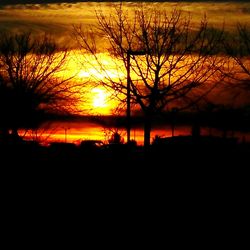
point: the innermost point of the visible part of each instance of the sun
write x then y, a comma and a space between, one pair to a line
99, 98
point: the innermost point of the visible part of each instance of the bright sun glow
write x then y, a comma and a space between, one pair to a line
96, 74
99, 98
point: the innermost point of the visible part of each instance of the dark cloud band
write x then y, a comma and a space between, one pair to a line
5, 2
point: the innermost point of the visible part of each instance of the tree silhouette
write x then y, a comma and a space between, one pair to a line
165, 57
32, 83
238, 50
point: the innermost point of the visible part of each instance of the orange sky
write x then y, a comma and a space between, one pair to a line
59, 18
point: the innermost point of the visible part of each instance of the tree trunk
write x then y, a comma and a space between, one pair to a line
147, 131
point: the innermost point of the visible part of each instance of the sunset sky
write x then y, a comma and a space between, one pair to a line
74, 1
54, 1
57, 17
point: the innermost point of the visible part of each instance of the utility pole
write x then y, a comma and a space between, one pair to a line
128, 98
129, 53
65, 134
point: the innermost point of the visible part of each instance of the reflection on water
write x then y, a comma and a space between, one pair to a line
75, 132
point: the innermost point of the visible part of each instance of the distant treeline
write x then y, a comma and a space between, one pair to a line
8, 2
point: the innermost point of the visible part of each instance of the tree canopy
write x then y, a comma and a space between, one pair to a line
32, 82
165, 57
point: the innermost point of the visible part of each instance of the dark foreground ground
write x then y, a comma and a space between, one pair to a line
181, 185
182, 177
167, 153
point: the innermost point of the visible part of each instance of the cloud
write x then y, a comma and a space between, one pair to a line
58, 19
11, 2
74, 1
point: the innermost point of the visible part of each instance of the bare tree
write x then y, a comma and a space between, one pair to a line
165, 57
238, 50
32, 81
